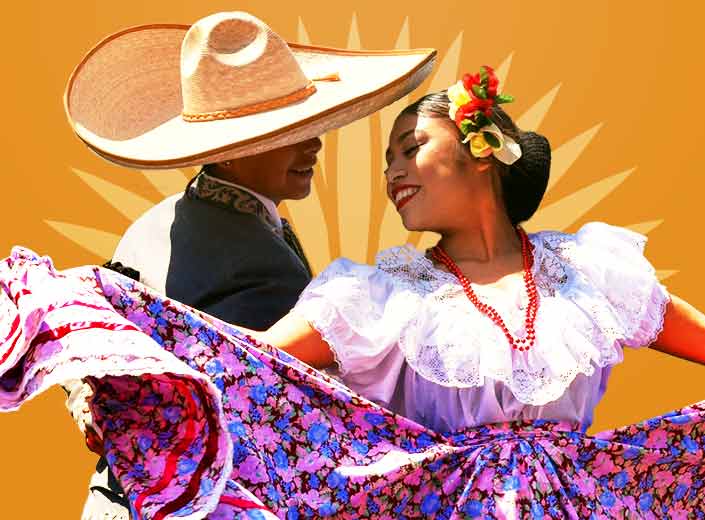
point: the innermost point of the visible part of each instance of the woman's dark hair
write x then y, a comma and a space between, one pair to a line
524, 182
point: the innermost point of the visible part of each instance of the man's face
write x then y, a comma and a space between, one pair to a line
279, 174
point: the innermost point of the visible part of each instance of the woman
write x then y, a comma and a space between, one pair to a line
486, 388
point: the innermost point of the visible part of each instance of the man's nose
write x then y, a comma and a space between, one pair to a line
312, 146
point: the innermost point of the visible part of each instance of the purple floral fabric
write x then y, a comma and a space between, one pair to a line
199, 420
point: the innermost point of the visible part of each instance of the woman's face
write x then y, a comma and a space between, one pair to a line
431, 177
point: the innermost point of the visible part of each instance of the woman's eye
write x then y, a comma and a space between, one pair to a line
411, 150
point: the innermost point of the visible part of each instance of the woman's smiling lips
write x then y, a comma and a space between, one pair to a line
403, 193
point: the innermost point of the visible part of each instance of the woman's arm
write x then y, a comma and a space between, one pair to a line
295, 336
683, 333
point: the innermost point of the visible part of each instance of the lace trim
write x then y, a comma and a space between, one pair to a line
325, 330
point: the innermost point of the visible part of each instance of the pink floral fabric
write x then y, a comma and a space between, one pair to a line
198, 420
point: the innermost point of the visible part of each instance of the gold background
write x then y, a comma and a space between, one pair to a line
635, 68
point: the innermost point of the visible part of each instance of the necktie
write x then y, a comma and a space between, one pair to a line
293, 241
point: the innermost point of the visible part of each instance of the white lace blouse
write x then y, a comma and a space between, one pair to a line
405, 335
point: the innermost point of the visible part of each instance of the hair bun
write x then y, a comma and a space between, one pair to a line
526, 182
535, 154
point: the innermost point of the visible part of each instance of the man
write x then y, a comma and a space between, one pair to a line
246, 108
222, 248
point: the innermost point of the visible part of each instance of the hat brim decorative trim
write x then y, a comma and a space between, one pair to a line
252, 109
124, 100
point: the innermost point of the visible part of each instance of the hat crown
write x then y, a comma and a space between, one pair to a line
230, 61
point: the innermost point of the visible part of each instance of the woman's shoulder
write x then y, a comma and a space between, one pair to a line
396, 269
396, 256
591, 238
386, 260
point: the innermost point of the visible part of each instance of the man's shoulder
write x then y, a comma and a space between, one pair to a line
153, 222
162, 212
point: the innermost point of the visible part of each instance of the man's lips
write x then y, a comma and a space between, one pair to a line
403, 193
306, 170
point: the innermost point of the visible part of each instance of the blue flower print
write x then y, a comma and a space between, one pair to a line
259, 394
318, 433
431, 503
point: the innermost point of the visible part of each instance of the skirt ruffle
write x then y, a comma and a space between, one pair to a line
197, 419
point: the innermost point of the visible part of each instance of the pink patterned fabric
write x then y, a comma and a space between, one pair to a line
198, 420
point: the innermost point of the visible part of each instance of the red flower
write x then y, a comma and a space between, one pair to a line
492, 87
469, 80
492, 81
462, 113
485, 105
469, 110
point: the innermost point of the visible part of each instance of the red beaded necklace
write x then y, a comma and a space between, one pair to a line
521, 344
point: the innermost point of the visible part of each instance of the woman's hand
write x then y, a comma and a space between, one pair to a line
683, 333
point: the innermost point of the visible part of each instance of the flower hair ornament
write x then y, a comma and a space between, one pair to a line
471, 102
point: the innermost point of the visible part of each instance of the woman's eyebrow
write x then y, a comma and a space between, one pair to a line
401, 137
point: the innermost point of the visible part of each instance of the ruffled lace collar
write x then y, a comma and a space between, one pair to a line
587, 313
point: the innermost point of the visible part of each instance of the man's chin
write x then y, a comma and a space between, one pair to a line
299, 194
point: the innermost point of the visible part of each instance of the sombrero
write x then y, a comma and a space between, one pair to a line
165, 96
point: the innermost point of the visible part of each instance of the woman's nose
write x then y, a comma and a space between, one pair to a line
394, 173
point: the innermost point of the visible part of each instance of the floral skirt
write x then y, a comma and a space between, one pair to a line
197, 420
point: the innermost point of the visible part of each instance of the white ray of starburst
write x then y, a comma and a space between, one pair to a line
129, 204
645, 227
564, 212
533, 117
124, 201
354, 177
502, 71
563, 157
100, 243
307, 215
169, 182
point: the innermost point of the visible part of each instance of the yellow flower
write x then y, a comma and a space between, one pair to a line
479, 147
505, 149
458, 95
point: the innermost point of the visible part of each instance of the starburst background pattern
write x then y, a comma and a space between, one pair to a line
613, 85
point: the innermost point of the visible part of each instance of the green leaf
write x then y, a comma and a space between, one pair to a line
467, 126
479, 91
504, 98
484, 77
482, 120
491, 139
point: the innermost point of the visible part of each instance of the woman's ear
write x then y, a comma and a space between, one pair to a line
483, 166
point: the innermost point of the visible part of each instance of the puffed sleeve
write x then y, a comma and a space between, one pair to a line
361, 313
612, 261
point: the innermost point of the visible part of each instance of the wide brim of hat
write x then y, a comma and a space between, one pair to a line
124, 100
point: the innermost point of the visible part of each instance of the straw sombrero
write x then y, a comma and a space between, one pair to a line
164, 96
